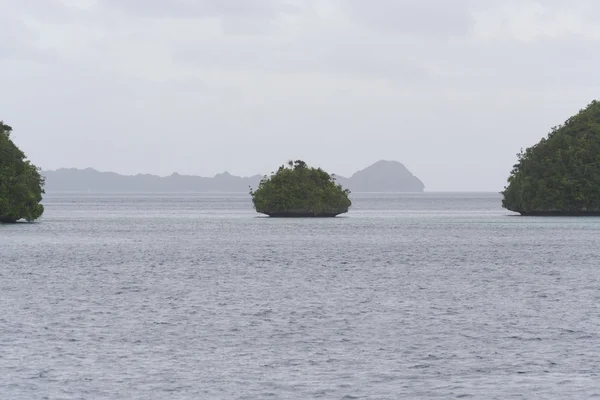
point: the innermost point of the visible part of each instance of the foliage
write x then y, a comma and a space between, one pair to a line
299, 188
21, 185
561, 173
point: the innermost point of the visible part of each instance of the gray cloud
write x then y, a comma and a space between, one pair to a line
51, 11
326, 52
409, 59
17, 40
451, 88
203, 8
423, 18
557, 63
235, 17
14, 35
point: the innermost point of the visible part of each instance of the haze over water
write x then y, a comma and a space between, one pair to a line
198, 297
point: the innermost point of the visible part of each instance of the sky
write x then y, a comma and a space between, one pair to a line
452, 89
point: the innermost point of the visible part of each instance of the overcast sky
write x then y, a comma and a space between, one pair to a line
452, 89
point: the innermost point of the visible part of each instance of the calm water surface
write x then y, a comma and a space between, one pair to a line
197, 297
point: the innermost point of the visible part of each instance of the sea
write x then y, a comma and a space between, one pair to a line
196, 296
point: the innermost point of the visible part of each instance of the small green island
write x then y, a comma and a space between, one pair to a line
297, 190
21, 184
560, 175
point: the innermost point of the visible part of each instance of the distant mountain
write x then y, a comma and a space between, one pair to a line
383, 176
84, 180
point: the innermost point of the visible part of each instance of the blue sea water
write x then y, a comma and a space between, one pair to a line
434, 295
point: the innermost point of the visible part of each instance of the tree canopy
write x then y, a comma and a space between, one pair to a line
300, 190
561, 173
21, 185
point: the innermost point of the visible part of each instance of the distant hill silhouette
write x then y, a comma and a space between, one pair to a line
383, 176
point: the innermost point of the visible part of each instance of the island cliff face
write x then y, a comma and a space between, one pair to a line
383, 176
